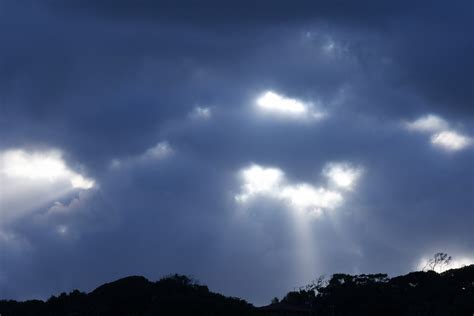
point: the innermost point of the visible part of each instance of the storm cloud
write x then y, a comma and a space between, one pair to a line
252, 145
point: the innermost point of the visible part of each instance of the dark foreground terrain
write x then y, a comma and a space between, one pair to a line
417, 293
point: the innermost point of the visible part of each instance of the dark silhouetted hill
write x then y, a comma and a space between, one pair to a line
417, 293
135, 295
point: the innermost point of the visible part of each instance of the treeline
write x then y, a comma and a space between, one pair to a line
135, 295
417, 293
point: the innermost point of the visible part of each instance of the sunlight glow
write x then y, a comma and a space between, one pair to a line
306, 196
158, 152
274, 103
455, 263
342, 174
450, 140
441, 135
80, 182
259, 180
270, 182
41, 166
31, 179
47, 166
427, 123
306, 202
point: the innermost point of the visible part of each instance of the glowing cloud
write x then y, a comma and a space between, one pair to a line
342, 175
451, 140
270, 182
31, 179
306, 196
259, 180
41, 166
441, 135
427, 123
157, 152
272, 102
80, 182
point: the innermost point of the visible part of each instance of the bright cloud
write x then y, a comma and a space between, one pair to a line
342, 175
41, 166
157, 152
427, 123
450, 140
306, 196
259, 180
272, 102
270, 182
31, 179
441, 135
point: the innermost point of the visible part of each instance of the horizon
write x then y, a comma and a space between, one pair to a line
252, 146
309, 285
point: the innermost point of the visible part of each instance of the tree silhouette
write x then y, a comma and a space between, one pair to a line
450, 293
439, 261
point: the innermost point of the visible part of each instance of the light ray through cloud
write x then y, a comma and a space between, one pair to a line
270, 182
45, 166
306, 201
31, 179
191, 139
307, 197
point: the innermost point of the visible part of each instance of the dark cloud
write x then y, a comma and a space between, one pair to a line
106, 81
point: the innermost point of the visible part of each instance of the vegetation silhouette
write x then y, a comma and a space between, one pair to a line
439, 261
417, 293
135, 295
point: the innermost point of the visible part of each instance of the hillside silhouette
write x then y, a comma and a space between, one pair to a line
135, 295
417, 293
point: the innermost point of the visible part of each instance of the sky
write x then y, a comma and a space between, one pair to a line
254, 146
